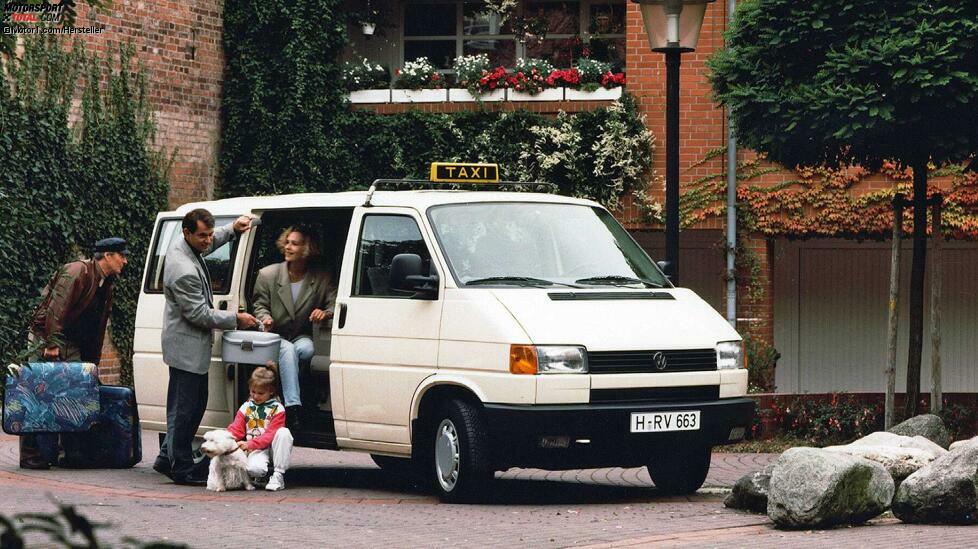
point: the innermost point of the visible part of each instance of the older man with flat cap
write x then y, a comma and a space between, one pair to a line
69, 324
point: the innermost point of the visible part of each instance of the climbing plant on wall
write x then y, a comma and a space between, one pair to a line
65, 185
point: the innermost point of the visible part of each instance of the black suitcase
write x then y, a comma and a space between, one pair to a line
115, 442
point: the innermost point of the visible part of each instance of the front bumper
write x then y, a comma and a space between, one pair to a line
517, 431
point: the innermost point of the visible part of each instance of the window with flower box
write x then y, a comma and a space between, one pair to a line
558, 31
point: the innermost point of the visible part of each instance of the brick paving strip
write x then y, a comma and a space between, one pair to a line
146, 484
341, 499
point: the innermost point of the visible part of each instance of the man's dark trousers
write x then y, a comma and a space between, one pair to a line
186, 401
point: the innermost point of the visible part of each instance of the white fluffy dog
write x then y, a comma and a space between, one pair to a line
229, 464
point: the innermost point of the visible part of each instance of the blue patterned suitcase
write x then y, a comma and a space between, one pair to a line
115, 440
50, 397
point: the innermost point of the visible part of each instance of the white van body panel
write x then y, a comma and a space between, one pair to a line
151, 375
386, 347
733, 383
686, 322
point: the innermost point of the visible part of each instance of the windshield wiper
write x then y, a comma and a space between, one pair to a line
515, 280
618, 280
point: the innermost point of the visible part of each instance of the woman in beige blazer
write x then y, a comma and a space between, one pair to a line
289, 297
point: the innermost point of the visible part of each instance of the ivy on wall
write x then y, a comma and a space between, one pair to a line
823, 202
282, 95
65, 186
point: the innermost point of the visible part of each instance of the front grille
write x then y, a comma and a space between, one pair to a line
634, 362
657, 394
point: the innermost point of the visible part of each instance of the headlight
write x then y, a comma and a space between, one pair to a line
730, 355
547, 359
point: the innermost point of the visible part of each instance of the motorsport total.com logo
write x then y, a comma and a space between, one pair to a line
41, 17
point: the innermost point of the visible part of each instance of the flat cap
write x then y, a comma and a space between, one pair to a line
112, 244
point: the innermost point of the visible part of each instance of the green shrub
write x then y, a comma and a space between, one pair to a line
601, 154
66, 186
762, 359
839, 420
961, 421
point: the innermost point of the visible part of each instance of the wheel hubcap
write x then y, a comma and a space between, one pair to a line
446, 455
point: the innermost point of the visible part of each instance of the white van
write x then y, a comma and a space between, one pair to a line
476, 331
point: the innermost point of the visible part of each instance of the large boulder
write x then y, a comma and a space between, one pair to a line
750, 491
945, 491
928, 426
900, 455
814, 488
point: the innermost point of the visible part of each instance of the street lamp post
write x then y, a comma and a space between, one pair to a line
673, 27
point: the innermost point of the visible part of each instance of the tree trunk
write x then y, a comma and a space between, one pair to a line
893, 312
917, 287
937, 238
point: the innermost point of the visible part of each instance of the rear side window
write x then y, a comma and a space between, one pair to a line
381, 238
219, 261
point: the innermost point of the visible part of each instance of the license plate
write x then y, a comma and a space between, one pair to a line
661, 422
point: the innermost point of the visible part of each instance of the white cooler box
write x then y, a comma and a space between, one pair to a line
250, 347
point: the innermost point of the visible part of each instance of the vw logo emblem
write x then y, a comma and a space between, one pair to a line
659, 361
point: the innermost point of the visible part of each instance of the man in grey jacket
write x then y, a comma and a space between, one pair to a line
189, 318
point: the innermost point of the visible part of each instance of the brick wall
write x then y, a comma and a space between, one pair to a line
179, 44
110, 367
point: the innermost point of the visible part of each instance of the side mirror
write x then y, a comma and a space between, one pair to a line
405, 276
666, 269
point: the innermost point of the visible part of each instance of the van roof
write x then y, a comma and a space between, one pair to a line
418, 199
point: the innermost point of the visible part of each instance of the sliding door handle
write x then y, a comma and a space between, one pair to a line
341, 321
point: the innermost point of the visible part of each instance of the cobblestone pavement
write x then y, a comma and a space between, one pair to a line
340, 499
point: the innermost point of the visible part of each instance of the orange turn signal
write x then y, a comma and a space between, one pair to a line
523, 359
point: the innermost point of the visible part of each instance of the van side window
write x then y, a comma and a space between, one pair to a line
381, 238
219, 261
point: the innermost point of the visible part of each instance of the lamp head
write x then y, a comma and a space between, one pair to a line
673, 24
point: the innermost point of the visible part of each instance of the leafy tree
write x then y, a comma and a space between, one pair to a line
839, 82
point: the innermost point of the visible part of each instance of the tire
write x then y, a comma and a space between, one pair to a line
456, 453
680, 471
401, 467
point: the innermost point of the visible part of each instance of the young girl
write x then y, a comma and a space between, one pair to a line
259, 425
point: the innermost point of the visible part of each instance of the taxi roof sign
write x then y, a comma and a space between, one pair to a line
463, 172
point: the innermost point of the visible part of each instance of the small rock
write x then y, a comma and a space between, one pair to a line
750, 491
928, 426
961, 443
814, 488
944, 491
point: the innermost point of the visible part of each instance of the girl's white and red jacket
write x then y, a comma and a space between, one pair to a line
257, 423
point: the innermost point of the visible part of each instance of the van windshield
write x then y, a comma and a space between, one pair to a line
540, 245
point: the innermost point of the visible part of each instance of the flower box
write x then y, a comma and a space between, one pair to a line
370, 96
553, 94
600, 94
419, 96
462, 95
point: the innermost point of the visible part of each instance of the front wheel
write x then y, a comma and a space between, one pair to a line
680, 471
458, 452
